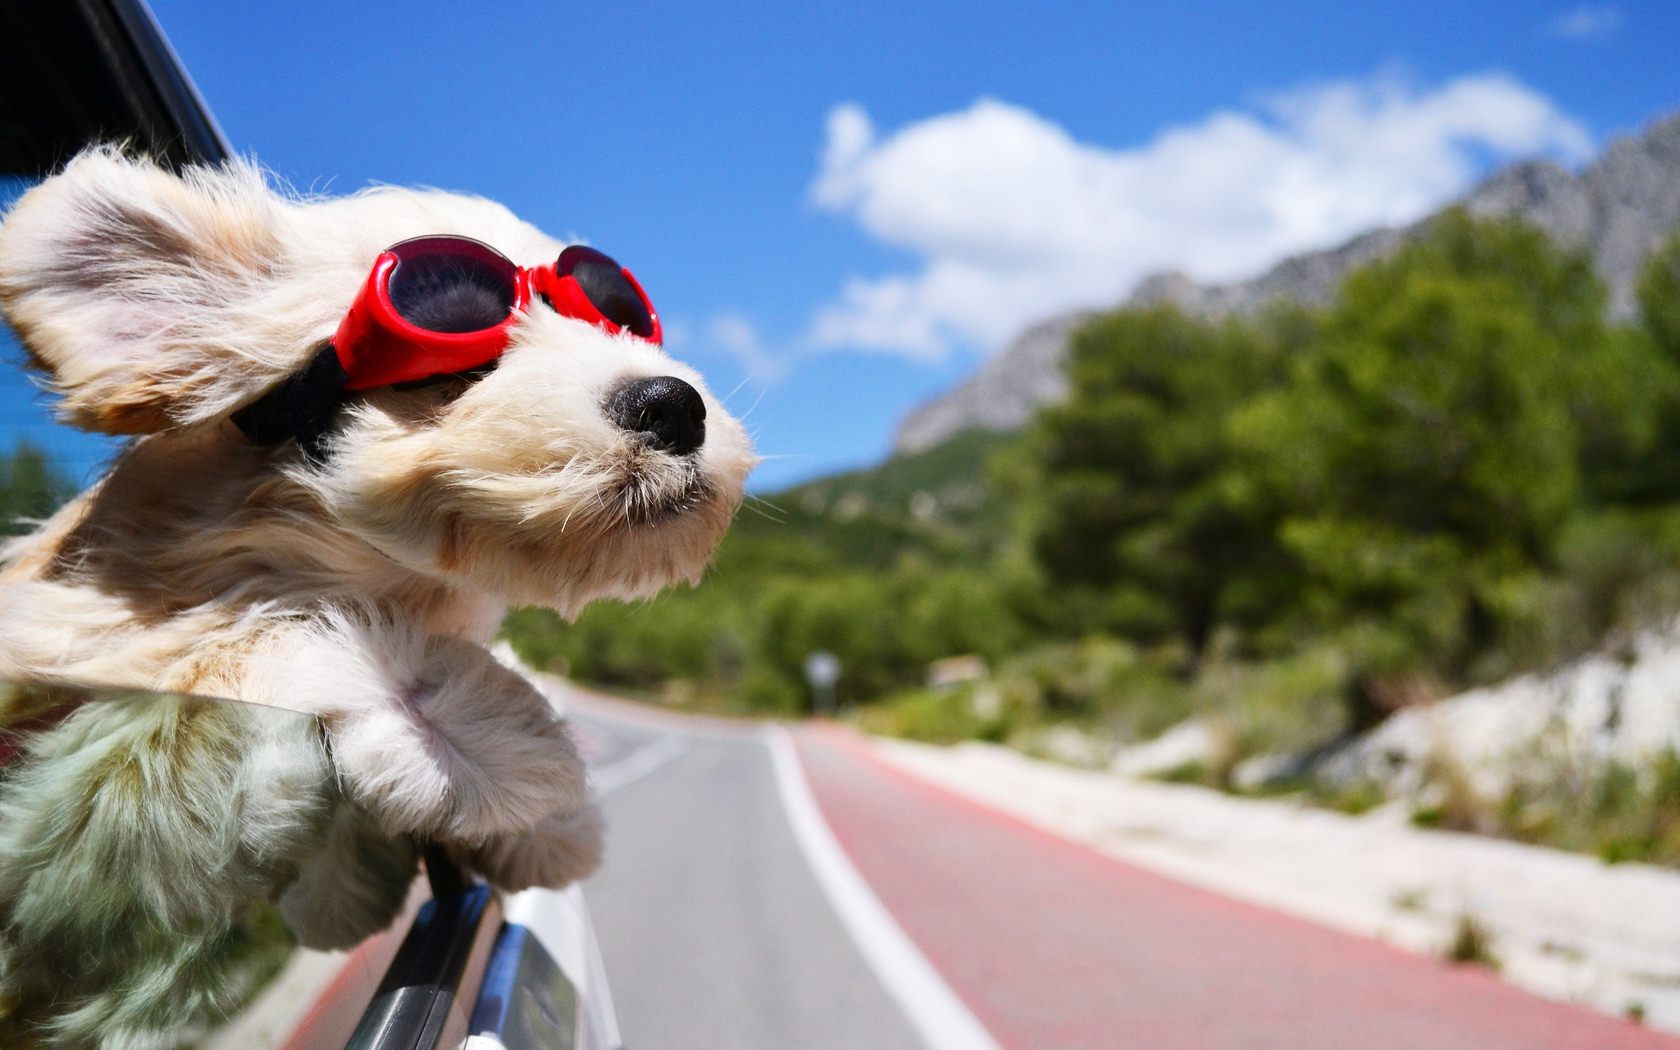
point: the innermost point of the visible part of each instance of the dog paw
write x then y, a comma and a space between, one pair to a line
352, 887
559, 850
433, 737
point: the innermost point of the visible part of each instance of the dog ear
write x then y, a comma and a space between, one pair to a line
147, 296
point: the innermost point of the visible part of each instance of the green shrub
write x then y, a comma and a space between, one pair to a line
1619, 812
934, 716
1285, 704
1357, 798
1112, 687
1472, 944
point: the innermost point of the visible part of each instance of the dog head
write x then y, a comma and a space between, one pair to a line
582, 464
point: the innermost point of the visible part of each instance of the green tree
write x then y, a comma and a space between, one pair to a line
1426, 451
31, 488
1133, 496
1659, 297
851, 615
1630, 456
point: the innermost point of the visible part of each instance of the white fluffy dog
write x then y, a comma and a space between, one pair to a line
358, 584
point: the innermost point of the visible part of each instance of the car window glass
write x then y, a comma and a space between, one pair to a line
160, 861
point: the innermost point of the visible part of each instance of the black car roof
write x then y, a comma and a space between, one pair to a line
79, 71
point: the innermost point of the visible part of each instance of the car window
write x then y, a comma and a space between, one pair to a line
159, 857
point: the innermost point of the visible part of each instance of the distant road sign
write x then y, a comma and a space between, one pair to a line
822, 669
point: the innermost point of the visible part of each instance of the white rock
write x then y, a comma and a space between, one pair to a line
1585, 715
1184, 744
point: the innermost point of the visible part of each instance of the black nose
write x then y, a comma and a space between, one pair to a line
666, 411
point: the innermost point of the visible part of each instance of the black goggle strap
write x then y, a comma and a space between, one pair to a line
301, 407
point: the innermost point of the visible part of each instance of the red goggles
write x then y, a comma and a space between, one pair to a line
436, 306
439, 305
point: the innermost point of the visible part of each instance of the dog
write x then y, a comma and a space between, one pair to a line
342, 551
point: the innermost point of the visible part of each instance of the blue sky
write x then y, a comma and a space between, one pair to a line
842, 208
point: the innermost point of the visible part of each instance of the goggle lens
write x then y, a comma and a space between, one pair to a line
608, 290
452, 284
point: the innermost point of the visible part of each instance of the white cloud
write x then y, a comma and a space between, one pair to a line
1586, 23
736, 335
1013, 219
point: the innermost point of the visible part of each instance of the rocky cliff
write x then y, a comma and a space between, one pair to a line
1619, 207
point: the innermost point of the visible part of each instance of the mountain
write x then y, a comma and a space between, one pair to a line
941, 503
1620, 207
1004, 393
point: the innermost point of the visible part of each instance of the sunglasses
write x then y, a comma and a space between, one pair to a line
442, 306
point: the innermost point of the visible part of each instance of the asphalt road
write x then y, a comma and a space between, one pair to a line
714, 930
797, 891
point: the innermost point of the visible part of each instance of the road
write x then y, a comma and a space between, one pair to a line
712, 927
790, 889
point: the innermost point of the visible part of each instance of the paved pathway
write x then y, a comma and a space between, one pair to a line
1054, 945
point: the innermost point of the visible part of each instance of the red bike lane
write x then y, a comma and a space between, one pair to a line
1052, 945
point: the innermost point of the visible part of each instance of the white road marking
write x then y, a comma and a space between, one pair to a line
637, 764
934, 1010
